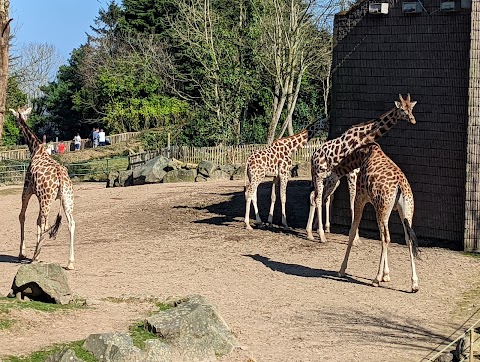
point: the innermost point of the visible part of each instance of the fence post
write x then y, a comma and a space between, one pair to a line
107, 168
471, 343
24, 170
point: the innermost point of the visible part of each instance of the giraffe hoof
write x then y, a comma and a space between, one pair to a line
248, 227
70, 266
386, 278
415, 289
22, 257
341, 274
375, 283
356, 242
310, 236
327, 230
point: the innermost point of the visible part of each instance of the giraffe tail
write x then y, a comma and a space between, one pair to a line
55, 227
412, 238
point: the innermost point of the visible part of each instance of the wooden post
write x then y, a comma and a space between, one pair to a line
168, 145
472, 332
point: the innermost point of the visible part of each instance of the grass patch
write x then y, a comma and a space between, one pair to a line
40, 356
6, 323
473, 255
7, 304
140, 335
11, 191
163, 306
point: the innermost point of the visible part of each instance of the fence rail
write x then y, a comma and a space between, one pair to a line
22, 153
221, 155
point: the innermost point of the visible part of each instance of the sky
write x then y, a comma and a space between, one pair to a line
62, 23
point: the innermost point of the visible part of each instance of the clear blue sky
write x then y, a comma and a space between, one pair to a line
62, 23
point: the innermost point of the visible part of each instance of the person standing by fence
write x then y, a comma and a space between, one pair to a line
61, 147
95, 138
101, 137
78, 142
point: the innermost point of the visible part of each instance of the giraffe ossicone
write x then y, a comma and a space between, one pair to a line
49, 181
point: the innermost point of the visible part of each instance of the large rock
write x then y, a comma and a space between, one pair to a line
302, 169
112, 180
180, 175
42, 282
239, 173
153, 170
195, 328
230, 169
125, 178
113, 347
66, 355
206, 168
219, 175
157, 350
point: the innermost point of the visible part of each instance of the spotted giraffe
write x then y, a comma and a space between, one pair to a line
334, 151
381, 183
48, 180
274, 161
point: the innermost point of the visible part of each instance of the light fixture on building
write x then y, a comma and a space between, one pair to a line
466, 4
378, 8
411, 7
448, 6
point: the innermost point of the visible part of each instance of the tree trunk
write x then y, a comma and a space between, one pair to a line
4, 42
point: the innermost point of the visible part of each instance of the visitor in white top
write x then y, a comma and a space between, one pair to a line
101, 137
78, 141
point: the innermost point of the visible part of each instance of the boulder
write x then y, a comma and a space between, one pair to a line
219, 175
180, 175
112, 180
153, 170
157, 350
230, 169
195, 328
42, 282
65, 355
200, 178
302, 169
125, 178
206, 168
239, 173
113, 347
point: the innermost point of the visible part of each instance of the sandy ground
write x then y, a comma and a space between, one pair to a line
278, 291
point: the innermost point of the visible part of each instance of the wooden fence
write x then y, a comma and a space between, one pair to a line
22, 153
221, 155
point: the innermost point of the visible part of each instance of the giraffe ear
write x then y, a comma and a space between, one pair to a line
413, 103
27, 111
401, 98
398, 104
14, 112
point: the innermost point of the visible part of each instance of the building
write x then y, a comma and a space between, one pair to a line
430, 49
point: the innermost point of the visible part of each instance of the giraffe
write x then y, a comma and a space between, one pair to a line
275, 160
352, 184
332, 153
49, 181
381, 183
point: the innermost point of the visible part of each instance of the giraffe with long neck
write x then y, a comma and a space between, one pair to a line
381, 183
48, 180
334, 151
275, 160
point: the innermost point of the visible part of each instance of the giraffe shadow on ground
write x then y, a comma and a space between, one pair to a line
10, 259
232, 210
307, 272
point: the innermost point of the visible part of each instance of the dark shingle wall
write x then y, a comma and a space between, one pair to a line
426, 55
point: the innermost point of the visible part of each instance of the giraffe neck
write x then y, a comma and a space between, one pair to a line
294, 142
382, 125
32, 140
316, 127
354, 160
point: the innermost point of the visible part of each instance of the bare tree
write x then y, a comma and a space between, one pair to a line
34, 65
294, 39
4, 49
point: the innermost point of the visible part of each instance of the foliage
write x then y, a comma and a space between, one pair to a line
140, 335
7, 304
204, 69
15, 99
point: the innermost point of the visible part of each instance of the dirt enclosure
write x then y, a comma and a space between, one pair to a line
277, 291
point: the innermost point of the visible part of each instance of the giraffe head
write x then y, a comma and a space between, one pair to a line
405, 108
21, 113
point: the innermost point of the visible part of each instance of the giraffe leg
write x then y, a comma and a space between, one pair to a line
407, 216
258, 220
352, 190
383, 265
250, 195
26, 195
311, 216
283, 198
318, 205
328, 209
360, 202
42, 223
273, 198
68, 209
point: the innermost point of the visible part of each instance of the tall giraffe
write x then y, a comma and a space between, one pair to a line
334, 151
275, 160
49, 181
384, 185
